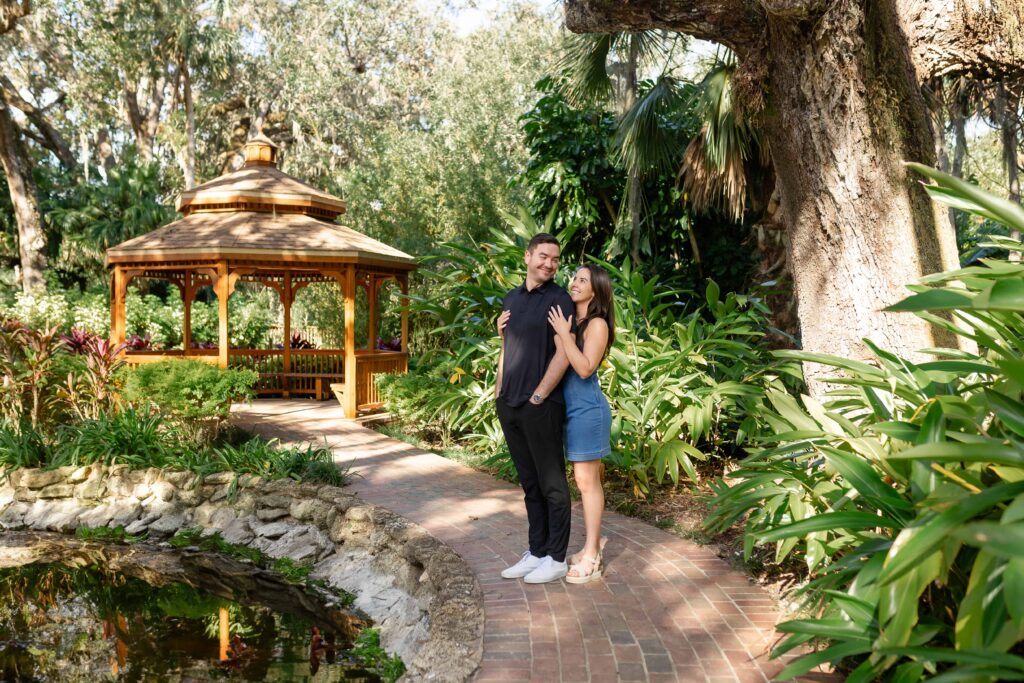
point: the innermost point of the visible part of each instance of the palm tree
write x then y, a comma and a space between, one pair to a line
714, 167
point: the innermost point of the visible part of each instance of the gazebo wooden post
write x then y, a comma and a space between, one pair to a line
373, 285
118, 287
349, 292
187, 292
223, 293
403, 282
286, 302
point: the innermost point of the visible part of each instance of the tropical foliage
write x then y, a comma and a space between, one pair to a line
901, 491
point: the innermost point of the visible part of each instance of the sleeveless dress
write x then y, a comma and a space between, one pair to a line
588, 418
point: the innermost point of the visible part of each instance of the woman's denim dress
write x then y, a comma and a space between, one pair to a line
588, 419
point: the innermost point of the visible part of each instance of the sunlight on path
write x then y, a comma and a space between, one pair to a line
666, 610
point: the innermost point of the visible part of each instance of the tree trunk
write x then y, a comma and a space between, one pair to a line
847, 110
958, 119
190, 125
31, 239
1007, 105
634, 187
843, 84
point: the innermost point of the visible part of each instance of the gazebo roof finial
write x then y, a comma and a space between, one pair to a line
260, 151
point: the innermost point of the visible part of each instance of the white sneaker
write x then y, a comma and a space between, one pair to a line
548, 571
524, 566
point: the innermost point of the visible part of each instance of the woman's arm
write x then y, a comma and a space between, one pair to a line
595, 339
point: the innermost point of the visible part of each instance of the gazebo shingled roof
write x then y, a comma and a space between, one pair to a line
260, 224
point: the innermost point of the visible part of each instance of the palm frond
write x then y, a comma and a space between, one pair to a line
584, 66
713, 164
646, 140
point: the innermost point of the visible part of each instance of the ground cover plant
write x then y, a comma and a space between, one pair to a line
70, 400
902, 489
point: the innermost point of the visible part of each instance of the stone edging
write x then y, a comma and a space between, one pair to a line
425, 598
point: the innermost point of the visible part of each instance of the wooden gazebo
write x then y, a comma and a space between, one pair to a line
261, 225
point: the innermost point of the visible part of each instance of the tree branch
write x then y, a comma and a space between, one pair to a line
735, 23
51, 138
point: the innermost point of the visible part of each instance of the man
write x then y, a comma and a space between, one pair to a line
532, 413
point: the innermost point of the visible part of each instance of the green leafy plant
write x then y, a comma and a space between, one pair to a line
197, 395
133, 437
368, 651
902, 490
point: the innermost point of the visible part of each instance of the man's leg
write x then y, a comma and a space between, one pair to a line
542, 427
519, 449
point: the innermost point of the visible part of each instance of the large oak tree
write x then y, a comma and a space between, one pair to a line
841, 82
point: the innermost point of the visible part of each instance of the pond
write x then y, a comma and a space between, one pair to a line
93, 623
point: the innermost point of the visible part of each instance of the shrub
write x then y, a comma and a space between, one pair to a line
40, 310
189, 389
903, 490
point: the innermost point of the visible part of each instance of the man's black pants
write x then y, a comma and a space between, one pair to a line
535, 440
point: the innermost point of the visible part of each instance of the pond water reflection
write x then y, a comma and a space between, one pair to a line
88, 624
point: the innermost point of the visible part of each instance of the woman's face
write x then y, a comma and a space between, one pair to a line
581, 289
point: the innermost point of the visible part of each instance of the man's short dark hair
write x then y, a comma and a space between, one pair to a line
542, 238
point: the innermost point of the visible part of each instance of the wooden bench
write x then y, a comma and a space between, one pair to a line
320, 393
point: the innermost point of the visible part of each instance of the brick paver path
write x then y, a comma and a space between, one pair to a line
666, 609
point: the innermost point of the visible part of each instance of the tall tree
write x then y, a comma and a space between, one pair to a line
18, 170
842, 82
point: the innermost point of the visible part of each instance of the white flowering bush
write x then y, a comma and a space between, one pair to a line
40, 310
92, 314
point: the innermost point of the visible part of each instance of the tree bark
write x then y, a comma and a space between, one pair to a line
1007, 105
844, 111
18, 169
49, 136
190, 124
847, 112
634, 187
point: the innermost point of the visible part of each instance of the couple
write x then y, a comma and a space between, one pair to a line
547, 333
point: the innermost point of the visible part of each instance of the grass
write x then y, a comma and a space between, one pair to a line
104, 534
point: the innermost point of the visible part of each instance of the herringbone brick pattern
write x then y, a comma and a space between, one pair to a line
666, 610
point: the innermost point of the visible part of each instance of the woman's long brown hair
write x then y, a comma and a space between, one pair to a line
601, 306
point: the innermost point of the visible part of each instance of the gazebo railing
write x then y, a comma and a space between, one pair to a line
311, 372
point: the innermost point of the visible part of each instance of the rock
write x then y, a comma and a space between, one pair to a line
238, 532
140, 525
273, 500
204, 513
37, 479
164, 491
300, 543
222, 518
79, 475
339, 499
167, 524
13, 515
219, 478
26, 495
179, 479
60, 515
123, 513
96, 517
119, 486
93, 488
142, 491
6, 495
269, 515
57, 491
313, 510
274, 530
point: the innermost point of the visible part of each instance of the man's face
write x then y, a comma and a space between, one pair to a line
542, 262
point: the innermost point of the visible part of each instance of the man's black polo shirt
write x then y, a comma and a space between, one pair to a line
530, 340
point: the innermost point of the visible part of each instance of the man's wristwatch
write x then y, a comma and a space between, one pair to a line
536, 398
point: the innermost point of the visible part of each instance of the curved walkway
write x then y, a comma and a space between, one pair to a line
666, 610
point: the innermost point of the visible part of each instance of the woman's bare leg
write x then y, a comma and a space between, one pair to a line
588, 480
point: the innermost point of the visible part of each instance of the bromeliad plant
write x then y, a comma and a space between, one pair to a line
903, 490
